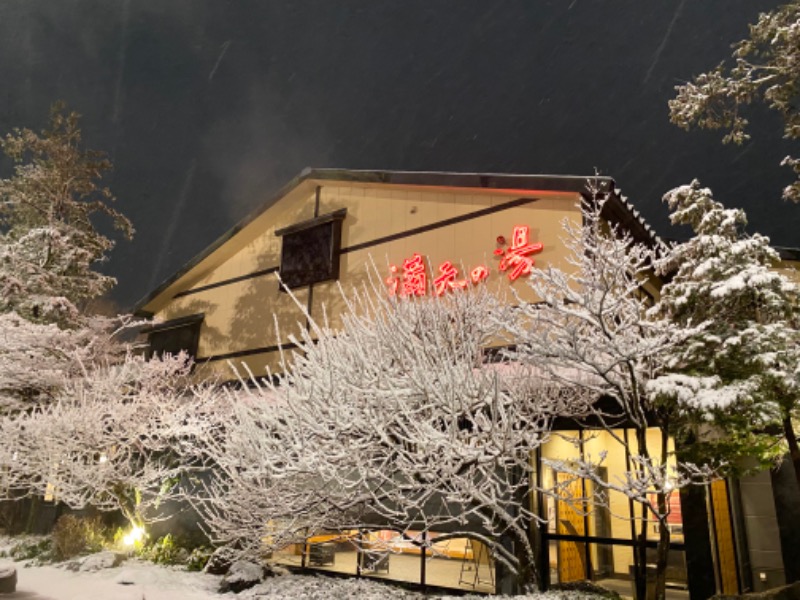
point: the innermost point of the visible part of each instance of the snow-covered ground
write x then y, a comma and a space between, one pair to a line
136, 580
139, 580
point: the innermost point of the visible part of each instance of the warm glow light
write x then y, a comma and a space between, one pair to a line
136, 534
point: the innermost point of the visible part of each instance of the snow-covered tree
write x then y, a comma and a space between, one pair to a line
738, 370
591, 331
82, 418
117, 438
49, 252
396, 418
37, 359
49, 246
767, 69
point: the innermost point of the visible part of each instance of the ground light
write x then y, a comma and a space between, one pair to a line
134, 536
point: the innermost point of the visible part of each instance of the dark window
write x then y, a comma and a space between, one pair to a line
310, 251
175, 336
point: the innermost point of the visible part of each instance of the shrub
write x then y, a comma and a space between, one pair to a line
30, 549
164, 551
198, 558
77, 535
172, 550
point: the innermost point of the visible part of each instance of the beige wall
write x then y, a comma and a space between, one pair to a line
791, 269
240, 316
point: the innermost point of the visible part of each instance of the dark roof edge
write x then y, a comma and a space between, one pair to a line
499, 181
788, 253
251, 216
622, 212
173, 323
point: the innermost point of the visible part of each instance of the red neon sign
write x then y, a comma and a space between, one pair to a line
415, 281
478, 274
447, 279
516, 261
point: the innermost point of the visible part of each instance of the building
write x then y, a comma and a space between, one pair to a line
330, 226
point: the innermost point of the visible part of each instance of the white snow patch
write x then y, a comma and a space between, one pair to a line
6, 568
310, 587
145, 580
101, 560
137, 580
243, 571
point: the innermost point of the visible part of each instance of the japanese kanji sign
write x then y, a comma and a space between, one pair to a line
515, 261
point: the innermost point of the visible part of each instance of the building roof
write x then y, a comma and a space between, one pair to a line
788, 254
618, 209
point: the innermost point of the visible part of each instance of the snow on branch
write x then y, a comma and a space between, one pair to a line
118, 438
393, 419
593, 330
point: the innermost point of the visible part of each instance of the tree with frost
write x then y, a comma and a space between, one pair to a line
82, 419
591, 331
396, 419
49, 250
738, 370
117, 438
49, 246
767, 69
36, 359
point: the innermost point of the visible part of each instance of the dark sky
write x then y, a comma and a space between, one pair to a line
207, 107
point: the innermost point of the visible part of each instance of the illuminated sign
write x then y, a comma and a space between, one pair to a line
515, 261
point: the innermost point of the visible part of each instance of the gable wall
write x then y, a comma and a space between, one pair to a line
239, 316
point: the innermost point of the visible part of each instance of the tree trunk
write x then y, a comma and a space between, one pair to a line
640, 549
640, 557
527, 579
662, 550
527, 572
129, 507
794, 449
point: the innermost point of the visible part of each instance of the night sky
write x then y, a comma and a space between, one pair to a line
207, 107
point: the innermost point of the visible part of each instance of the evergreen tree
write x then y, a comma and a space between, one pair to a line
49, 251
738, 371
767, 69
49, 245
